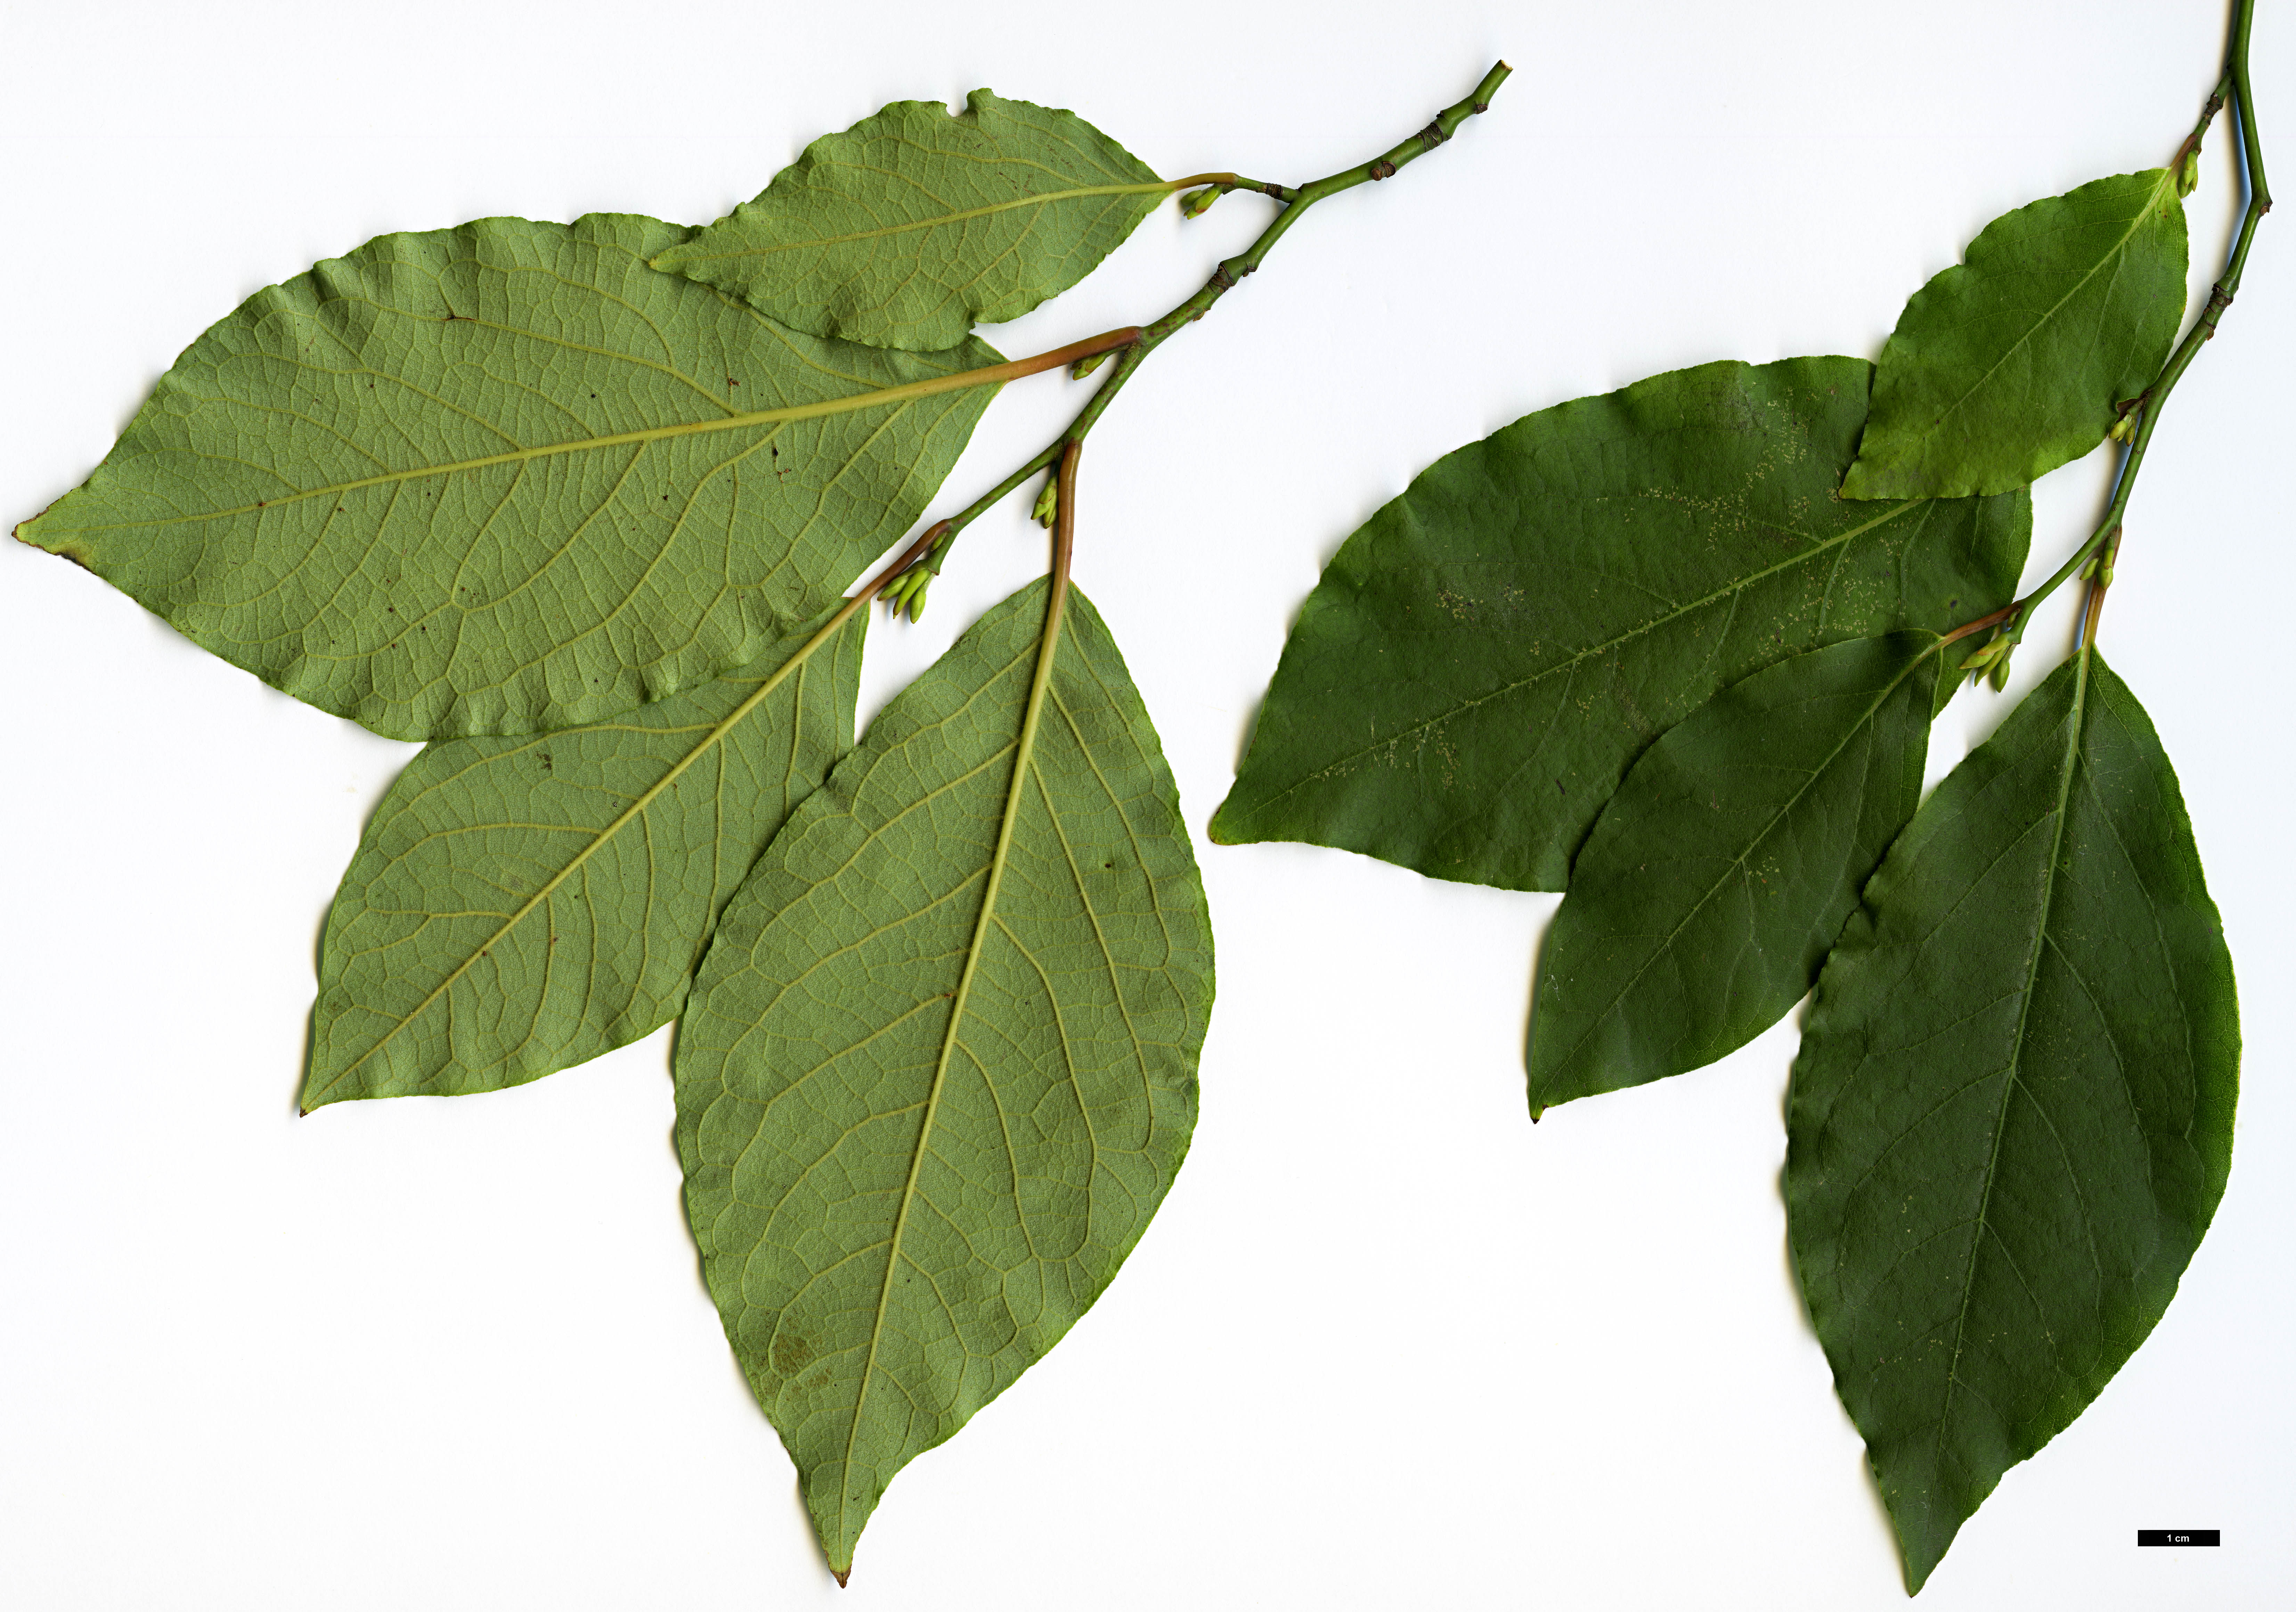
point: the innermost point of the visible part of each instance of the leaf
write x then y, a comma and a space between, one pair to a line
2011, 1119
913, 225
521, 905
2009, 366
1483, 660
939, 1066
504, 477
1722, 870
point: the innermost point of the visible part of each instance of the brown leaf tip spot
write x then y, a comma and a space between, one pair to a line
841, 1577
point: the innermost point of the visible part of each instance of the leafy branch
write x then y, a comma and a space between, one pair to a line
2137, 416
1230, 273
1676, 650
571, 503
579, 505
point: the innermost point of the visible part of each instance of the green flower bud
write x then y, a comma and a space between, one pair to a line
1195, 204
1999, 675
1085, 366
2188, 177
1048, 503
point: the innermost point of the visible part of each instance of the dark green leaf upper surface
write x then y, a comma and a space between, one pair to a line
1722, 870
519, 906
2011, 1119
911, 225
1483, 660
2010, 365
929, 1093
499, 479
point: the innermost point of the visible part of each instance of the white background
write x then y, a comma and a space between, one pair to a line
1387, 1346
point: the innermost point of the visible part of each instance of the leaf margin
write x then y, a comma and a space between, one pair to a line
2215, 1090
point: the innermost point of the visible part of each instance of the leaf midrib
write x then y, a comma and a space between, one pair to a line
881, 398
2076, 727
634, 812
673, 262
1738, 862
1596, 650
2110, 255
1023, 758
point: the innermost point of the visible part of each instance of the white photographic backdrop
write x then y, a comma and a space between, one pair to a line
1387, 1344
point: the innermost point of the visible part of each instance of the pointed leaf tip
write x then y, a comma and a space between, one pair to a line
842, 1575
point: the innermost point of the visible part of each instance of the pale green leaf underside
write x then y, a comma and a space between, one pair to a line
2010, 365
499, 479
1483, 660
913, 225
519, 906
907, 1183
1722, 870
2011, 1119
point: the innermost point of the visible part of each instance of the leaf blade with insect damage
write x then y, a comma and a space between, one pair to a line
913, 225
492, 479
